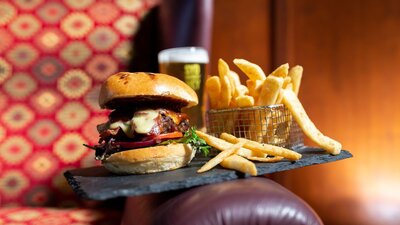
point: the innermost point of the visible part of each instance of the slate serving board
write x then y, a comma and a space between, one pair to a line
98, 184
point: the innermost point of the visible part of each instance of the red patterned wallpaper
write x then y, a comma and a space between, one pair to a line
53, 57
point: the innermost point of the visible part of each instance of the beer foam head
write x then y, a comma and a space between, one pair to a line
183, 55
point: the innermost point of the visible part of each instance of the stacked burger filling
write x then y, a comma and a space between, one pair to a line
128, 129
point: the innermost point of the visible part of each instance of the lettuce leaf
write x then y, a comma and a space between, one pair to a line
190, 137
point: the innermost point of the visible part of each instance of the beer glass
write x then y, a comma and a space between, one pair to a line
189, 65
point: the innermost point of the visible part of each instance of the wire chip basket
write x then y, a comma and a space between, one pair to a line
271, 124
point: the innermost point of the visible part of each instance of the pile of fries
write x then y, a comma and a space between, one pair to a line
280, 87
226, 91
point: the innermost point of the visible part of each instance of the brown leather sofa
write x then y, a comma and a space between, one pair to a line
256, 200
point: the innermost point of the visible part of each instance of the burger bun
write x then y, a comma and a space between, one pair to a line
124, 87
150, 159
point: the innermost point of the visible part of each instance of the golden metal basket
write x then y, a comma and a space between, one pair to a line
271, 124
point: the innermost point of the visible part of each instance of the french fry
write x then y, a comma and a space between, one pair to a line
286, 81
226, 88
279, 98
213, 89
270, 90
284, 130
242, 90
220, 144
225, 96
241, 164
265, 148
221, 156
296, 74
252, 70
235, 83
296, 108
266, 159
232, 84
223, 68
244, 101
281, 71
254, 87
289, 86
267, 94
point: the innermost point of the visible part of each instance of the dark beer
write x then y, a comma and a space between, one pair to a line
189, 65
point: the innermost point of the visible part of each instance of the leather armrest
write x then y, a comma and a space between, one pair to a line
246, 201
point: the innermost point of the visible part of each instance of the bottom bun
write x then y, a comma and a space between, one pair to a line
150, 159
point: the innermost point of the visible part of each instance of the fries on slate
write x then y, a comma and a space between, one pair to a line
292, 102
221, 156
264, 148
238, 153
241, 164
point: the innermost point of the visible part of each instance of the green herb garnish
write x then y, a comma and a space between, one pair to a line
190, 137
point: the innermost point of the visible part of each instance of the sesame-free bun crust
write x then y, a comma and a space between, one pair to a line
140, 86
150, 159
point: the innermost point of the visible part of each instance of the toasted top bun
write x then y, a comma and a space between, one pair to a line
145, 87
150, 159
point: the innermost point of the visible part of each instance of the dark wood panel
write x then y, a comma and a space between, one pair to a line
350, 52
241, 30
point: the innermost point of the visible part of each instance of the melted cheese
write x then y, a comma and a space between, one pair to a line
144, 120
125, 127
141, 122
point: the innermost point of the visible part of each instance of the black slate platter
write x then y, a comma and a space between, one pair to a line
98, 184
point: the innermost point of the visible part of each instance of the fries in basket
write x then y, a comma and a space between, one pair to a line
266, 110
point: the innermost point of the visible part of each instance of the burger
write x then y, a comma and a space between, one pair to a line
146, 131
